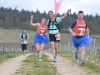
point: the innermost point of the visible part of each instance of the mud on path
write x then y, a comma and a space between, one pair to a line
66, 67
9, 67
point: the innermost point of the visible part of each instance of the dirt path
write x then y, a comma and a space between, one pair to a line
66, 67
13, 64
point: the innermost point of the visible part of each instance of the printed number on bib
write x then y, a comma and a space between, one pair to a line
25, 42
41, 31
81, 31
58, 37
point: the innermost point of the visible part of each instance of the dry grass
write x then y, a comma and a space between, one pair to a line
65, 38
12, 36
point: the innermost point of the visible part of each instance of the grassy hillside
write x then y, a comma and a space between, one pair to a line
12, 36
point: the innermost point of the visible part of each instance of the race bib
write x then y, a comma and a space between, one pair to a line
81, 31
42, 31
25, 42
58, 36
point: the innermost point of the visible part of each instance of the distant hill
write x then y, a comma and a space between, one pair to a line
13, 18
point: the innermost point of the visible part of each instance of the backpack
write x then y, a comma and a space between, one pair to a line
25, 36
55, 23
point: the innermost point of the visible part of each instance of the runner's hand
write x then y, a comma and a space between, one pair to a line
32, 16
74, 34
46, 34
68, 11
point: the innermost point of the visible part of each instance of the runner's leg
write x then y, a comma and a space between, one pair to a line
53, 48
41, 51
37, 49
82, 55
22, 48
25, 48
76, 54
56, 48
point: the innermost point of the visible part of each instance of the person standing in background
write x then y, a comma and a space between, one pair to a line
23, 37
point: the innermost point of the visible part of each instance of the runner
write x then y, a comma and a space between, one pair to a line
80, 37
23, 37
40, 38
54, 31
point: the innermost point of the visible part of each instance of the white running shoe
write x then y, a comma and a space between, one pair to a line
55, 59
40, 60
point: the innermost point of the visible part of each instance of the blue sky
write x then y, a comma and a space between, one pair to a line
88, 6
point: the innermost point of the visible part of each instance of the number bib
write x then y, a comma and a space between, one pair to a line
41, 32
81, 31
58, 36
25, 42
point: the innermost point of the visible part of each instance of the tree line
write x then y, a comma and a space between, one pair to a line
13, 18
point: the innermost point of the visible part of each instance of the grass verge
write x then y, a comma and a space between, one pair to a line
33, 67
5, 57
91, 66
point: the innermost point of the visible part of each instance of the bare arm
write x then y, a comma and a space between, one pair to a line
46, 32
71, 31
68, 11
31, 22
87, 31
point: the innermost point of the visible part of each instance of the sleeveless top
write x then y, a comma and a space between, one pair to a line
41, 29
80, 28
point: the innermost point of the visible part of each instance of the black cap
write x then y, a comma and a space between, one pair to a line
24, 29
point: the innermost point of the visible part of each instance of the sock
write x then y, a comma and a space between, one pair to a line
82, 60
76, 57
54, 57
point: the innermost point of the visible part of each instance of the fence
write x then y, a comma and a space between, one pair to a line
91, 49
15, 47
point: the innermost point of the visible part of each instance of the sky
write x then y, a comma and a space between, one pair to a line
90, 7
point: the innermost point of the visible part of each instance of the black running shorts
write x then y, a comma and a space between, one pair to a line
53, 38
24, 46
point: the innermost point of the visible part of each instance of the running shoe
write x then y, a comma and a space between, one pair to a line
82, 63
76, 59
40, 60
55, 59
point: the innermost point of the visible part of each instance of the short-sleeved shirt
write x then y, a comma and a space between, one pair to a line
24, 39
74, 23
58, 20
